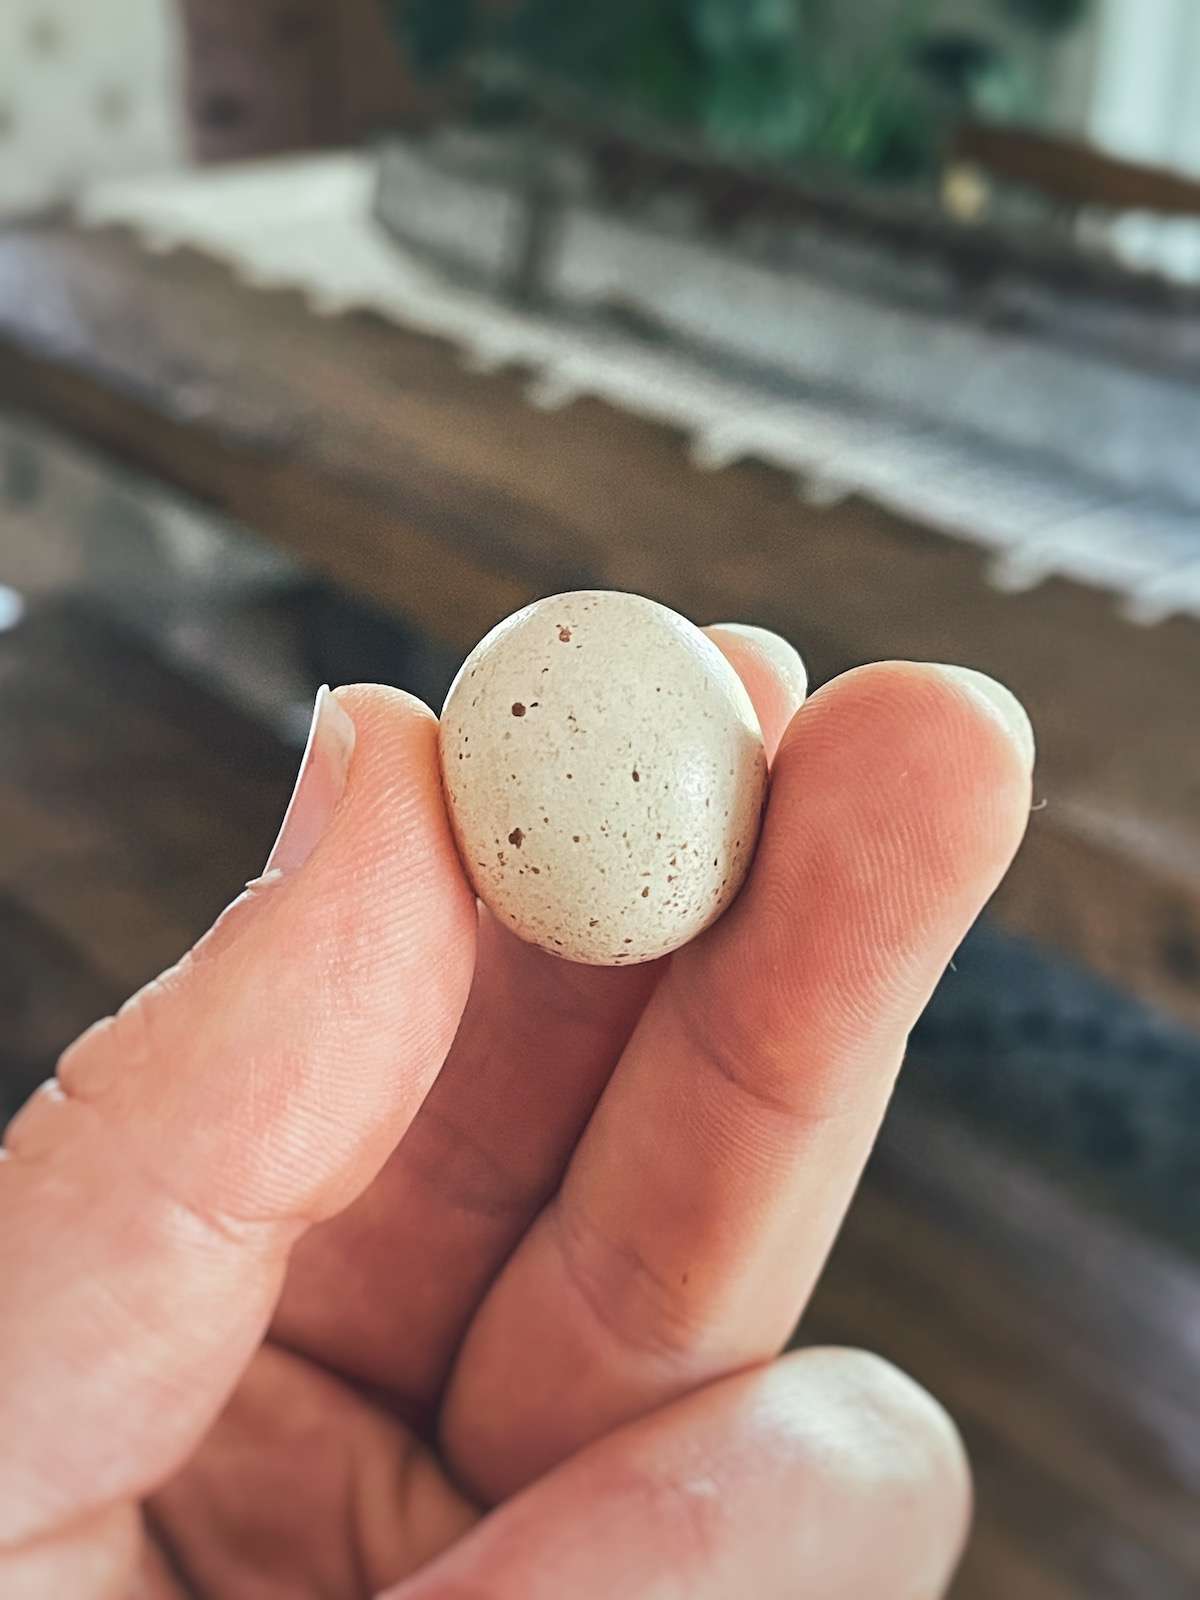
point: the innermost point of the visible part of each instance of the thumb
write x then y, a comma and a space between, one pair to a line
151, 1192
827, 1474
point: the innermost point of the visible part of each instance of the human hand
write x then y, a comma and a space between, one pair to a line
290, 1308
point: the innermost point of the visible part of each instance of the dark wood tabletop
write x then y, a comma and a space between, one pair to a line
370, 453
134, 804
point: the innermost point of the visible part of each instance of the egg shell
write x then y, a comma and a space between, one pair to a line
605, 776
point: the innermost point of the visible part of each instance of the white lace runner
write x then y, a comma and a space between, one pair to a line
863, 397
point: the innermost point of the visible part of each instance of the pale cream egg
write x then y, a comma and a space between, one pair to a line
605, 776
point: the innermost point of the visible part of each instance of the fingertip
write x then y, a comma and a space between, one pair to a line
381, 701
935, 735
897, 1442
923, 1439
772, 670
897, 803
319, 786
393, 806
997, 702
938, 693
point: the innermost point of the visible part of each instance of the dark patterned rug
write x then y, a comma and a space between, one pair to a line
1088, 1080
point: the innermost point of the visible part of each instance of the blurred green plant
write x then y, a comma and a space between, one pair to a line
872, 86
1051, 16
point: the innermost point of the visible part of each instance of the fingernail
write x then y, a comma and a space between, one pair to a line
785, 658
1000, 704
319, 784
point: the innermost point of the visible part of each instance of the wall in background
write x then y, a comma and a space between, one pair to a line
1062, 69
88, 88
100, 88
290, 75
1145, 99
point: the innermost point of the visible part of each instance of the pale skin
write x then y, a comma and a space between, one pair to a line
370, 1252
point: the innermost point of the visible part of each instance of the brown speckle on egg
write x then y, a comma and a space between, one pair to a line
594, 890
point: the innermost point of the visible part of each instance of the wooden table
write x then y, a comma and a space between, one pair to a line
133, 805
368, 451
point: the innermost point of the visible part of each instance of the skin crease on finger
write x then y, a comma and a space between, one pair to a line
382, 1491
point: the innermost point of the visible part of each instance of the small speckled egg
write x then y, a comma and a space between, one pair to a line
605, 776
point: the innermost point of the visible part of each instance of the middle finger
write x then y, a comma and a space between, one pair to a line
700, 1203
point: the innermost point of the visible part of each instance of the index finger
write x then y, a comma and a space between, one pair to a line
151, 1194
